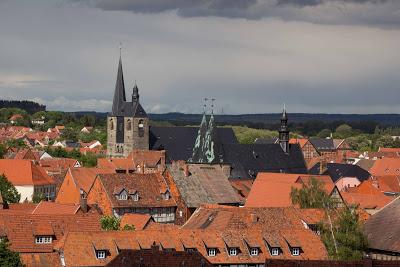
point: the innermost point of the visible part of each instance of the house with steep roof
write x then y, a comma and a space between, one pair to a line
28, 178
386, 166
117, 194
77, 183
343, 175
58, 165
308, 149
273, 189
138, 161
383, 232
330, 148
202, 183
35, 235
51, 208
138, 221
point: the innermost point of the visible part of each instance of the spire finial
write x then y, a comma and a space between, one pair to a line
284, 106
120, 49
205, 105
212, 105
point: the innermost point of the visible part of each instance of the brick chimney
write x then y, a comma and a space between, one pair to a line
186, 170
83, 201
323, 166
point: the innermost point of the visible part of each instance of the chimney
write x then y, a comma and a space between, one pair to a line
186, 170
323, 166
83, 201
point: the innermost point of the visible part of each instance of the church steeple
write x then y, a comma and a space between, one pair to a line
284, 131
119, 93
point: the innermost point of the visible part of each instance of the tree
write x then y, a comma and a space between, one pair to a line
385, 141
343, 131
128, 227
8, 258
87, 120
343, 236
311, 195
348, 236
37, 197
109, 223
3, 150
324, 133
8, 191
70, 134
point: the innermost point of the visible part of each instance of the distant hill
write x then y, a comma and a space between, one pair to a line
270, 118
29, 106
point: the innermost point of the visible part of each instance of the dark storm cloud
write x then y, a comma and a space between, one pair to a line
383, 13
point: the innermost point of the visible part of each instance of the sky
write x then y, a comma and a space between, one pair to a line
316, 56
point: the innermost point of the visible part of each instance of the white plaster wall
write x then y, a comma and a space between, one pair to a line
26, 192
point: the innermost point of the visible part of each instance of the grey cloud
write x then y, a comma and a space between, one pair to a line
384, 13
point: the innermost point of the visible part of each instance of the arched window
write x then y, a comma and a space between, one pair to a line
141, 128
128, 125
111, 124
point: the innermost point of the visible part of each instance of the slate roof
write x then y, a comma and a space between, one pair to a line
323, 144
338, 170
205, 184
248, 160
179, 141
383, 228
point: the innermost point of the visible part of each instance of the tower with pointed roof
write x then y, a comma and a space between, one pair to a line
284, 132
128, 123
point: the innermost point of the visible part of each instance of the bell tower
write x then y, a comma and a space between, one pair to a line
128, 123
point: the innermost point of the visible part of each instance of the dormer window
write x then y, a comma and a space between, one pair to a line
211, 252
43, 239
100, 254
135, 197
254, 251
295, 251
233, 251
275, 251
123, 195
166, 195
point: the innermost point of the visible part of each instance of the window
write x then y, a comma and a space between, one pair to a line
232, 251
191, 250
254, 251
128, 125
166, 195
275, 251
295, 251
211, 252
122, 196
111, 125
135, 197
101, 254
43, 239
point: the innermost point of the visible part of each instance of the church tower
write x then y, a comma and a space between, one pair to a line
128, 123
284, 132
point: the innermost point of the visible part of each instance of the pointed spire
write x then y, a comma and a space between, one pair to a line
199, 143
119, 93
284, 114
135, 93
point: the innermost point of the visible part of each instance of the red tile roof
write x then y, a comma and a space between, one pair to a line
21, 229
41, 259
46, 207
148, 186
242, 186
139, 221
78, 248
386, 166
301, 141
57, 164
273, 189
366, 201
24, 172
